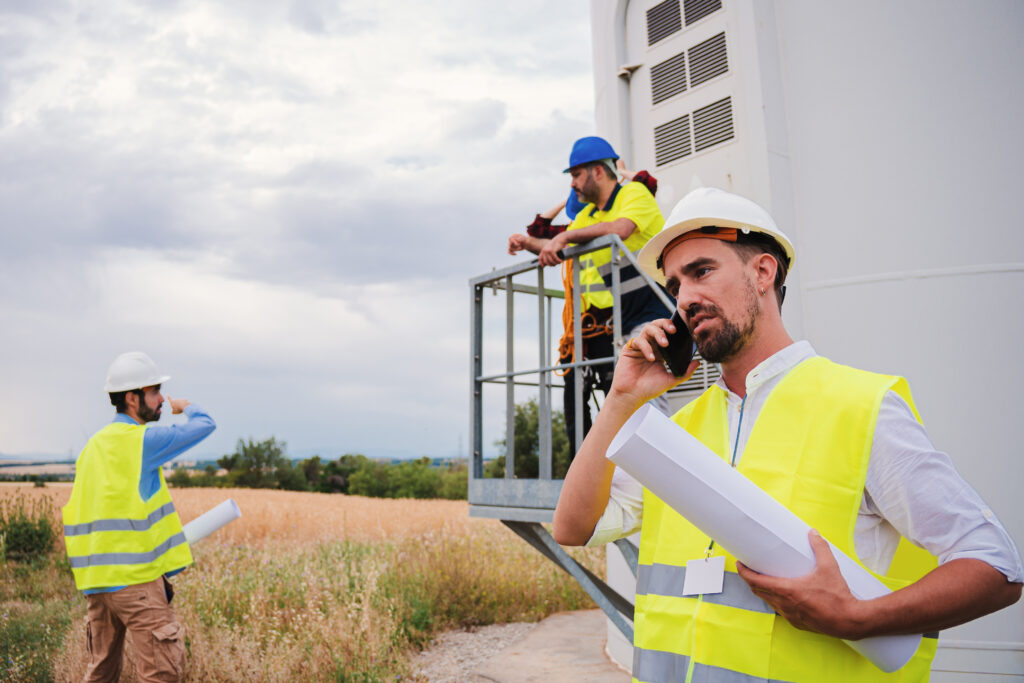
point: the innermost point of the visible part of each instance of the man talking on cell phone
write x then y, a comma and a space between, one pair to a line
842, 448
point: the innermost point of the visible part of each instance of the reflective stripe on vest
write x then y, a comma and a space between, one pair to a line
819, 408
650, 223
668, 667
101, 559
665, 579
592, 287
120, 524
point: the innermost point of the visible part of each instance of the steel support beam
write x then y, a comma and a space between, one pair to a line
617, 608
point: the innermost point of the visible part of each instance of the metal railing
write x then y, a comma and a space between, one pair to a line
528, 502
522, 504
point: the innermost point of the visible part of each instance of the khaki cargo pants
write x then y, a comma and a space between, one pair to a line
145, 613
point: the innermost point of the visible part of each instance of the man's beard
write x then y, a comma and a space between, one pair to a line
147, 414
587, 195
718, 347
590, 192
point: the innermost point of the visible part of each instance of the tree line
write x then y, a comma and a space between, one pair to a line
264, 465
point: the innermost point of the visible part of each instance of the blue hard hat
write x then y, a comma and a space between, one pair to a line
573, 205
589, 149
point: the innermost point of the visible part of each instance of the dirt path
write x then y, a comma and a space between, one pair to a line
565, 647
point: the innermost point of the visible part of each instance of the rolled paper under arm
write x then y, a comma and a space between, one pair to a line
211, 520
758, 530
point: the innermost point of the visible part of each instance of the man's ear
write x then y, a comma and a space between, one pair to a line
767, 267
131, 400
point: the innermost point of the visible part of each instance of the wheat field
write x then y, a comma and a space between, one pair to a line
309, 586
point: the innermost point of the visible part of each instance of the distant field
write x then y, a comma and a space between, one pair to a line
18, 469
309, 586
300, 518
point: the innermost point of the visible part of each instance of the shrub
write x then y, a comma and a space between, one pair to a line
27, 527
180, 478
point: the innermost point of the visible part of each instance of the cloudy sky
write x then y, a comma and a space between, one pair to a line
281, 202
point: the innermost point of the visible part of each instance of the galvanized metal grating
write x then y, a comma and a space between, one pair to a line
672, 140
712, 124
668, 78
695, 10
663, 20
708, 59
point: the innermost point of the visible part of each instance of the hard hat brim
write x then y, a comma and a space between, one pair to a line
129, 386
651, 253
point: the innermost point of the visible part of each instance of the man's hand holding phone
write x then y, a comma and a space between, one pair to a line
643, 369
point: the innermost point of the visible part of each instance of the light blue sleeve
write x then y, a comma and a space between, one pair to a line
164, 443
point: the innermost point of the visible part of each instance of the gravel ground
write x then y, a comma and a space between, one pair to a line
453, 656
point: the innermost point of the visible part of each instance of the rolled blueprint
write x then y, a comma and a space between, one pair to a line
758, 530
211, 520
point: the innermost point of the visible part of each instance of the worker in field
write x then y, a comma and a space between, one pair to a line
122, 533
608, 207
842, 448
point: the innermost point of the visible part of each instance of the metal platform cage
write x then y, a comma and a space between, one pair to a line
524, 504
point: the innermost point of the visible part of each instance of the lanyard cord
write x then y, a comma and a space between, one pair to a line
732, 462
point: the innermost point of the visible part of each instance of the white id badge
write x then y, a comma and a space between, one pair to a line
704, 576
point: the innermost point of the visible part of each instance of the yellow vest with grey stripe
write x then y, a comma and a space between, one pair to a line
635, 202
809, 449
113, 536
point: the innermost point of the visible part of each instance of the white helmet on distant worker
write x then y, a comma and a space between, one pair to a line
133, 370
707, 208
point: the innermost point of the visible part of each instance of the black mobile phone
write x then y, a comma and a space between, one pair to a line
681, 347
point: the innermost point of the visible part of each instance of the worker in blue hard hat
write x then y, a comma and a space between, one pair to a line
609, 207
543, 223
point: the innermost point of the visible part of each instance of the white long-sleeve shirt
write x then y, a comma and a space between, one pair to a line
911, 489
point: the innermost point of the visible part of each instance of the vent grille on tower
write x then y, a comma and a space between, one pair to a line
672, 140
707, 60
663, 20
668, 78
712, 124
696, 10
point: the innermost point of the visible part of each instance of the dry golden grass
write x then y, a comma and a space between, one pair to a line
309, 586
296, 518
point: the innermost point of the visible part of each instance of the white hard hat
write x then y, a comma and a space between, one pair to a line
710, 207
133, 370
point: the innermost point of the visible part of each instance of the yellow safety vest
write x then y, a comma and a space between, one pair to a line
809, 449
633, 201
113, 536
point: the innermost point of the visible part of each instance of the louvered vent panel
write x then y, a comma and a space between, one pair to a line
672, 140
668, 78
663, 20
696, 10
712, 124
708, 59
706, 375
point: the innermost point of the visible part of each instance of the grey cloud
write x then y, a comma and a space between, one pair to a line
206, 74
543, 43
326, 173
313, 16
36, 8
168, 170
413, 162
478, 120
